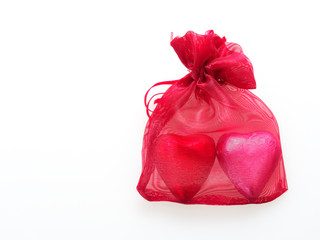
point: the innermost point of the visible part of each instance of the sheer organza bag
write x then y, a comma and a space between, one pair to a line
209, 140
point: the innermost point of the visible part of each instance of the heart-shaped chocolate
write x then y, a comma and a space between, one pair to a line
184, 162
248, 160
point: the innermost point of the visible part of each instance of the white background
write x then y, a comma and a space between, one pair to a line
72, 80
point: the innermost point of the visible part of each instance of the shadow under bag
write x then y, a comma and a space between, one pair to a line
210, 140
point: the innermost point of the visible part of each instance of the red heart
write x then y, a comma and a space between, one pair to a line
184, 162
248, 160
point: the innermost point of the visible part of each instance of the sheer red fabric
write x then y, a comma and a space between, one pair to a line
209, 140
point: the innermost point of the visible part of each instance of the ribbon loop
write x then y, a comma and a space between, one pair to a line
147, 103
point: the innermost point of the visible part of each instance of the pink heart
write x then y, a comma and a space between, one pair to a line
248, 160
184, 162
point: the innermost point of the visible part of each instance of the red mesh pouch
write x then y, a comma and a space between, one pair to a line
210, 140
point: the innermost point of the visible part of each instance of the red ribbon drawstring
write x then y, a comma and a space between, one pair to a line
146, 95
